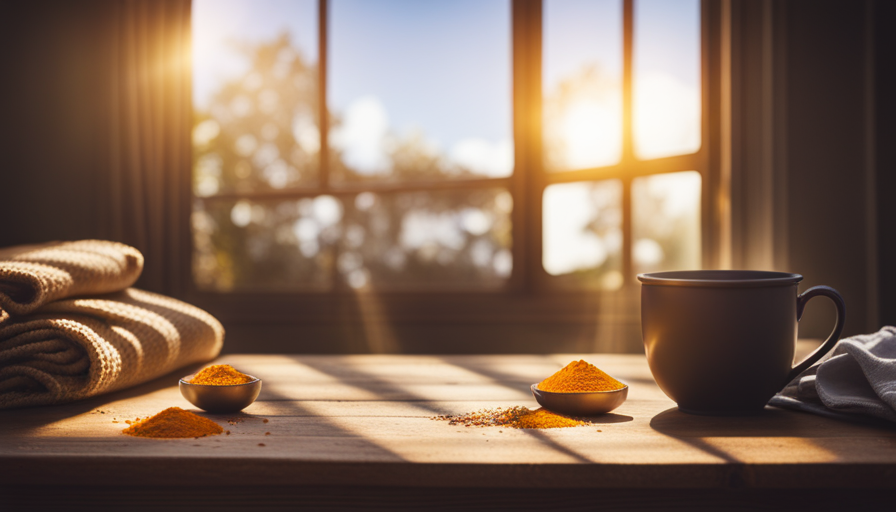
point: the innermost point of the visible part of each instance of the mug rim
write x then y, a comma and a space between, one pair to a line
720, 278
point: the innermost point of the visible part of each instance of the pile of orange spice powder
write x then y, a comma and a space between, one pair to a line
513, 417
220, 375
578, 377
172, 423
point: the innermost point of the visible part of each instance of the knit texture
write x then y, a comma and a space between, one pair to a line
76, 348
31, 276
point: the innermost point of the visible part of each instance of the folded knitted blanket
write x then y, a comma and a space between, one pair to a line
76, 348
31, 276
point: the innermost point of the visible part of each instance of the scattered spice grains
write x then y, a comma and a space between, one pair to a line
174, 422
264, 420
220, 375
513, 417
579, 376
261, 444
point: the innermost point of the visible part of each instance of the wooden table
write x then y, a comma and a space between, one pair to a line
357, 430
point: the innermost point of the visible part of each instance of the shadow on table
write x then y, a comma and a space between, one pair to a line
603, 419
769, 423
608, 418
34, 417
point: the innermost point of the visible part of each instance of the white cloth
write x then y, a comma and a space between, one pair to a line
857, 379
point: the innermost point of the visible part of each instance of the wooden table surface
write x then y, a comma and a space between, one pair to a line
364, 421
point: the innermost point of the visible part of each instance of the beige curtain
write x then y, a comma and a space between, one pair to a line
148, 182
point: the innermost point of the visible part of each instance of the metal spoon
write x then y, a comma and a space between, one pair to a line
588, 403
220, 399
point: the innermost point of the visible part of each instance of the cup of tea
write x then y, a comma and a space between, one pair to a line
721, 342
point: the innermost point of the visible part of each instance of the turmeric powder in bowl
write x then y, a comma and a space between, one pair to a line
220, 389
579, 377
220, 375
580, 389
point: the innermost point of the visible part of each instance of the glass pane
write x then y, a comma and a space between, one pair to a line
582, 83
255, 95
582, 236
666, 222
666, 106
420, 240
416, 240
275, 245
419, 90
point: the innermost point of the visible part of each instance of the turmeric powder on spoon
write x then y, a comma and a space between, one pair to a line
579, 377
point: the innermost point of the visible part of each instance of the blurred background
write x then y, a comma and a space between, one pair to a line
460, 176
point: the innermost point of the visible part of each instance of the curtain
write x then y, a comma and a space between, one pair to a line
147, 185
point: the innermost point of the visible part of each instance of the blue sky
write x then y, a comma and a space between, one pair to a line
667, 39
441, 66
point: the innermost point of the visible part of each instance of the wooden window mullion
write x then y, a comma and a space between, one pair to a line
628, 154
527, 181
323, 109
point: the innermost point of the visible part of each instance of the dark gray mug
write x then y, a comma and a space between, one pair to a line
721, 342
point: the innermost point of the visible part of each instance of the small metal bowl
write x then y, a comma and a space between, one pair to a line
589, 403
220, 399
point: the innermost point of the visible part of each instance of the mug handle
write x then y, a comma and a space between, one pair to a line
829, 343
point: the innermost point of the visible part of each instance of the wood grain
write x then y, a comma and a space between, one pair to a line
366, 421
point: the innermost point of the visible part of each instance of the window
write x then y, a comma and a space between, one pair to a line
517, 147
622, 137
400, 183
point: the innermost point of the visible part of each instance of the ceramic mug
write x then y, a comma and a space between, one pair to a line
721, 342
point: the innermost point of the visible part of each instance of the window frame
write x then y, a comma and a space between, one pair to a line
529, 297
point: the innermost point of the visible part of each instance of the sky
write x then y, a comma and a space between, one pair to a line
579, 31
219, 23
440, 66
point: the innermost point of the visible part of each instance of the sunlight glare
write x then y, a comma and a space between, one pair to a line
666, 222
666, 117
582, 226
592, 131
362, 135
666, 108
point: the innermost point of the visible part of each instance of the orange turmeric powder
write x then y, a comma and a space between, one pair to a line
578, 377
220, 375
513, 417
174, 422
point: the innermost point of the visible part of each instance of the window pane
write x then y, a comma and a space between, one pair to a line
420, 240
255, 95
666, 106
666, 222
582, 238
416, 240
582, 83
419, 90
272, 245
